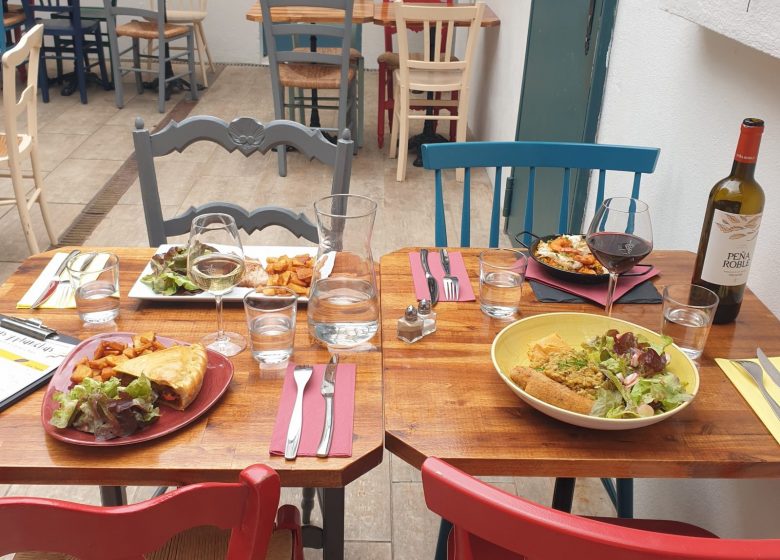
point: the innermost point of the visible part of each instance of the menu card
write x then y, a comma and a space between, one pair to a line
26, 363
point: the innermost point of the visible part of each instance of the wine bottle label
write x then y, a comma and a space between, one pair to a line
730, 248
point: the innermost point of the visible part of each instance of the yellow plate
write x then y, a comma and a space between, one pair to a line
510, 348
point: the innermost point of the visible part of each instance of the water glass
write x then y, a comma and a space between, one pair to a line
271, 322
501, 275
94, 278
688, 313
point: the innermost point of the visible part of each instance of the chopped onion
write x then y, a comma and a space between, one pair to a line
645, 410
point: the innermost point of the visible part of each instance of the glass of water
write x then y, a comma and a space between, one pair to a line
94, 278
688, 313
271, 322
501, 275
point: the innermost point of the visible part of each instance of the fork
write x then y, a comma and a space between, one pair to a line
302, 375
449, 282
755, 371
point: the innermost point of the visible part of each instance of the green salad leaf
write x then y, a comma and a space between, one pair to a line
169, 273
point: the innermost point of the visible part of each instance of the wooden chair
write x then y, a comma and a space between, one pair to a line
490, 523
248, 136
189, 12
157, 529
22, 144
307, 69
13, 19
437, 72
388, 63
152, 26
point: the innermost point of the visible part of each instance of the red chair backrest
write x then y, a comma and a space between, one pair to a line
391, 30
489, 523
96, 533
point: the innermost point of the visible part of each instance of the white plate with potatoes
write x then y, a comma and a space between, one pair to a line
256, 253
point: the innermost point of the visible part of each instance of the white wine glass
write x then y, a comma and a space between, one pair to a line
620, 236
215, 263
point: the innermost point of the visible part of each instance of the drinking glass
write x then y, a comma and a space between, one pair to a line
271, 322
215, 263
95, 281
501, 275
343, 310
620, 236
688, 313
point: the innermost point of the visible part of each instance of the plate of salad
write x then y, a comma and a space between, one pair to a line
97, 412
595, 371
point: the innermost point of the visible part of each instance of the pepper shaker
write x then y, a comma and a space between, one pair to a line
410, 326
428, 316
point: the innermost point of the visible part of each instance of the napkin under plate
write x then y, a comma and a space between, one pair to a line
314, 412
752, 394
457, 267
64, 296
645, 292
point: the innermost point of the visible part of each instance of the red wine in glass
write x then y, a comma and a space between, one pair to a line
620, 235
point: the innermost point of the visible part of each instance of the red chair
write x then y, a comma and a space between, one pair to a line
132, 532
489, 523
388, 62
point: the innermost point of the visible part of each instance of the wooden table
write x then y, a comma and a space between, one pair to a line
233, 434
443, 398
384, 15
362, 12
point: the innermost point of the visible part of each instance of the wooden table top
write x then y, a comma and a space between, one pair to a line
384, 15
362, 12
235, 433
443, 398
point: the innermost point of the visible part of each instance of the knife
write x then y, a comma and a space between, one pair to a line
54, 282
433, 287
768, 366
328, 387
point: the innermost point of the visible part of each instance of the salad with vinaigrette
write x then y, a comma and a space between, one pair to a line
637, 383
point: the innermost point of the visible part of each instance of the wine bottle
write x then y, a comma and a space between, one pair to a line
731, 222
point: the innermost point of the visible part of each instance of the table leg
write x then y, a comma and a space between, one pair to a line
113, 495
563, 494
307, 504
625, 497
332, 523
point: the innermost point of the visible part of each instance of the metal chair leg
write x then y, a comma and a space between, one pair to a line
441, 542
625, 497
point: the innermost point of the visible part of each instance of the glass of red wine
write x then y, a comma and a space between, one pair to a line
620, 235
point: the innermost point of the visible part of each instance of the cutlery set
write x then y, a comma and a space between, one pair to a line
302, 374
757, 373
449, 281
60, 278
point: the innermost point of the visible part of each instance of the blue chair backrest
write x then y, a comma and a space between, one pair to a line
533, 155
70, 9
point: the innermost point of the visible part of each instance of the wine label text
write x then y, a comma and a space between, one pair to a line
731, 244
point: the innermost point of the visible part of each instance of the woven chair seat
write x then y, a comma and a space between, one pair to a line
392, 61
200, 543
13, 8
148, 30
13, 18
312, 76
354, 54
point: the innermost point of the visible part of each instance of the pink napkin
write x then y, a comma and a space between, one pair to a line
457, 267
593, 292
314, 412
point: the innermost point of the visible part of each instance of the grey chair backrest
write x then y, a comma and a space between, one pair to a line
112, 10
248, 136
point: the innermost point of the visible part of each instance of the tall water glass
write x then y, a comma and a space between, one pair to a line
688, 313
343, 310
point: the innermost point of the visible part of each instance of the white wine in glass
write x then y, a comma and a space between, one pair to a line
215, 263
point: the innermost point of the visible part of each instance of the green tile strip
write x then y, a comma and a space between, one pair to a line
115, 188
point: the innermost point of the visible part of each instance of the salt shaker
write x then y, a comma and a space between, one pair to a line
410, 326
428, 316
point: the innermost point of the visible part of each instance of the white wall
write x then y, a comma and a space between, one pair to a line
685, 89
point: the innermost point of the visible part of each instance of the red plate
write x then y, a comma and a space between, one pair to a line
219, 372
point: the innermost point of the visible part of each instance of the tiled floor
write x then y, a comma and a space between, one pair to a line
82, 147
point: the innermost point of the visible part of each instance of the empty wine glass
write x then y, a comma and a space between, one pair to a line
620, 235
215, 263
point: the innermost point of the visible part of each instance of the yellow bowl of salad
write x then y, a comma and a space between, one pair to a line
594, 371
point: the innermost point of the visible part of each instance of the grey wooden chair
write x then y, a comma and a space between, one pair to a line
311, 69
248, 136
151, 26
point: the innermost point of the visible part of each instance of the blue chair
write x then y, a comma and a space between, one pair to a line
534, 155
71, 41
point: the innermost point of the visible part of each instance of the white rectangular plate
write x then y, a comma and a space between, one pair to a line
140, 290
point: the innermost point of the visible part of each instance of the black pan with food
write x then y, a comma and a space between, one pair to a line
560, 273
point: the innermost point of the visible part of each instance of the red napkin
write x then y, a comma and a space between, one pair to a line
593, 292
457, 267
314, 412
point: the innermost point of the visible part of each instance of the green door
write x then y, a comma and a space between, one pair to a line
563, 81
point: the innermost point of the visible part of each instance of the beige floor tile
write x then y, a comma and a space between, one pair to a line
590, 498
78, 494
124, 226
6, 269
536, 489
401, 471
82, 119
364, 521
13, 246
55, 148
108, 142
367, 550
78, 180
175, 179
